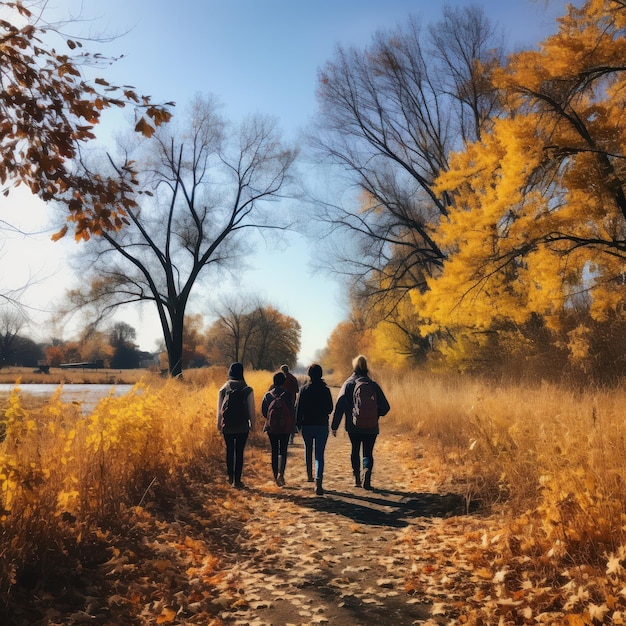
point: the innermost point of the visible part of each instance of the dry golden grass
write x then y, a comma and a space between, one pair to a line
56, 376
62, 473
549, 461
552, 458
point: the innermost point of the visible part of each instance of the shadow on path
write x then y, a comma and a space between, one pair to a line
379, 507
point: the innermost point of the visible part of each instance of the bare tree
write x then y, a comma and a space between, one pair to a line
12, 320
201, 185
255, 334
389, 116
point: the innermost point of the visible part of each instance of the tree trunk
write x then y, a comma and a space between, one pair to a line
175, 349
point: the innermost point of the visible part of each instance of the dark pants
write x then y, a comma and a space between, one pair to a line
235, 444
367, 441
314, 438
279, 444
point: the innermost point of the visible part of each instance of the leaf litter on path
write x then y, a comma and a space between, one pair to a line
342, 558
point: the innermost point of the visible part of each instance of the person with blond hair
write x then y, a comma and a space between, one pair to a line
362, 402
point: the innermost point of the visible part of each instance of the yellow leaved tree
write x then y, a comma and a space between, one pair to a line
538, 224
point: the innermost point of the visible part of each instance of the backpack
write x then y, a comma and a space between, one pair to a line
365, 404
234, 410
279, 416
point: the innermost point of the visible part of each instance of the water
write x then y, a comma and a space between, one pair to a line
85, 395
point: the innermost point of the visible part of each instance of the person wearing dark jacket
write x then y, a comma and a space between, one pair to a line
279, 439
235, 434
359, 437
313, 407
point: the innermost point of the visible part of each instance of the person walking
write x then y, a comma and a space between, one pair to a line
278, 410
235, 420
362, 402
292, 386
313, 406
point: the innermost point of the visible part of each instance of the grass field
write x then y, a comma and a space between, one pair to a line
550, 462
57, 375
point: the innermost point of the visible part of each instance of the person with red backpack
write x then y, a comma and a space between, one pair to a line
278, 410
362, 402
235, 420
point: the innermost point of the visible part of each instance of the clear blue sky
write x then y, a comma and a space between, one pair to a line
256, 56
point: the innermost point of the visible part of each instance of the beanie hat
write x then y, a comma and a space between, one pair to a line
236, 371
279, 379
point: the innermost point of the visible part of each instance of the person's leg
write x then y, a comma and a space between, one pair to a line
320, 439
274, 446
307, 437
240, 445
229, 440
283, 447
355, 457
368, 459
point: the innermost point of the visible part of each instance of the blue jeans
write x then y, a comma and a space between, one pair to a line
315, 438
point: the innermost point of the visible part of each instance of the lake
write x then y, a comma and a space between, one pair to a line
86, 395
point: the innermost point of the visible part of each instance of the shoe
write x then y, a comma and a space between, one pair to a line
367, 480
357, 479
238, 485
319, 490
280, 481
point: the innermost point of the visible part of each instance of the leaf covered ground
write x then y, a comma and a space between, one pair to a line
407, 552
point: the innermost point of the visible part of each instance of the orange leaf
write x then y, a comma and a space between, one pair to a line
167, 616
60, 234
144, 128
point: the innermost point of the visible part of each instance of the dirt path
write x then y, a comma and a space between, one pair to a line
337, 559
213, 555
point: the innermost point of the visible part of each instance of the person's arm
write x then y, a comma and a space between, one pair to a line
382, 402
265, 403
251, 412
328, 401
299, 411
340, 409
220, 399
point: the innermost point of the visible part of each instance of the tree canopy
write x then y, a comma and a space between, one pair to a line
201, 185
49, 111
530, 228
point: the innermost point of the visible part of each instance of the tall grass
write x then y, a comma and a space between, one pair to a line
63, 476
553, 459
550, 461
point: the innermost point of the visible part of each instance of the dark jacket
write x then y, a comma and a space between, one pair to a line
291, 385
231, 384
345, 404
314, 404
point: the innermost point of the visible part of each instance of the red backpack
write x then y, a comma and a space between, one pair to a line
365, 404
280, 420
